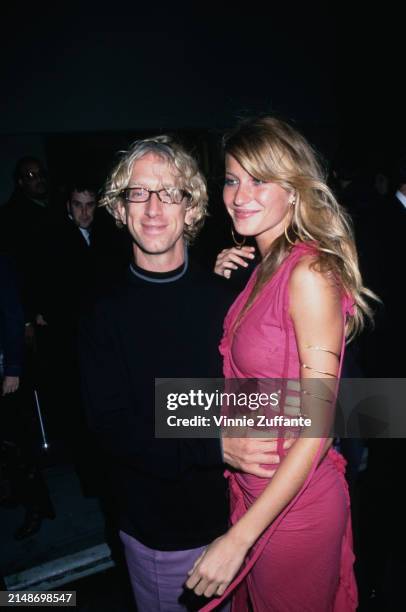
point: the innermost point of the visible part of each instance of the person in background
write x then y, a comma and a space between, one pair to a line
21, 479
75, 258
22, 218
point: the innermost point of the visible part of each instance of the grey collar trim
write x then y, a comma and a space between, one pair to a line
169, 279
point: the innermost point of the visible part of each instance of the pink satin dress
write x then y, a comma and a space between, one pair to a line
304, 560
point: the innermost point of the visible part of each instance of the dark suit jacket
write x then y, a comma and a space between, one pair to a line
11, 320
380, 236
21, 223
71, 272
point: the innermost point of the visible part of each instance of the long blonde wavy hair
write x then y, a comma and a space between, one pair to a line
271, 150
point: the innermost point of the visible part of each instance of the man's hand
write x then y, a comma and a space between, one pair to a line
40, 321
29, 336
251, 454
10, 384
230, 259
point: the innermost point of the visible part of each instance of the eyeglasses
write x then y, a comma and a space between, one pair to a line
166, 196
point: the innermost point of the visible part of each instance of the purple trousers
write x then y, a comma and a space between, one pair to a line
158, 577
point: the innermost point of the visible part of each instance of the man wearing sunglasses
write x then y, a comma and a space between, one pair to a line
22, 219
32, 181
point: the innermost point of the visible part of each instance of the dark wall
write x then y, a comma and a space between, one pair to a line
112, 68
79, 80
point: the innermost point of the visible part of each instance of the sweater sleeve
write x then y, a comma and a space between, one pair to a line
11, 320
112, 411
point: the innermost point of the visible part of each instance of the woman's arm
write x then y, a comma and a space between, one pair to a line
315, 308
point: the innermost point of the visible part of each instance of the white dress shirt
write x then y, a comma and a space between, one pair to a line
401, 197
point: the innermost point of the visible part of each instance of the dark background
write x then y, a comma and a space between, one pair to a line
81, 81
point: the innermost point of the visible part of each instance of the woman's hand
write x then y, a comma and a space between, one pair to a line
229, 259
217, 565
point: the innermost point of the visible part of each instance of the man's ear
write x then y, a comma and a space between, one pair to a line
190, 215
68, 206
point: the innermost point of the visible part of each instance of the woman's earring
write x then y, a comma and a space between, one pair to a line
238, 245
291, 203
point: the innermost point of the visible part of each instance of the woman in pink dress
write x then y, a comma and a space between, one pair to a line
290, 544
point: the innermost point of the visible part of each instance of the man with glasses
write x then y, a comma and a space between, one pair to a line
32, 180
22, 219
26, 210
163, 320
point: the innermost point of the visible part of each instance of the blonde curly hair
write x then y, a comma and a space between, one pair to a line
188, 177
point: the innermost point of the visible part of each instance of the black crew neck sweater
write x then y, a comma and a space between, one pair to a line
171, 493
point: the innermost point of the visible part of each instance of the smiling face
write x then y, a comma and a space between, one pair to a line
156, 228
256, 208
